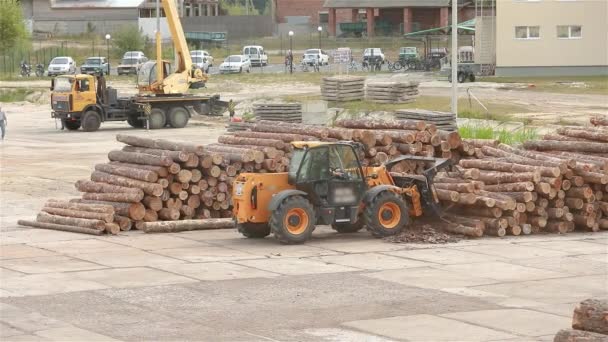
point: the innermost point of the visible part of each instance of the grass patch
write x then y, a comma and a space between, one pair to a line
563, 84
503, 135
14, 95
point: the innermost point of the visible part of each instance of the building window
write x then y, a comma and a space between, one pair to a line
569, 32
323, 18
527, 32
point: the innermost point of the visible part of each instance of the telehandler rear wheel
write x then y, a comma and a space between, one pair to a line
386, 214
254, 230
348, 227
293, 221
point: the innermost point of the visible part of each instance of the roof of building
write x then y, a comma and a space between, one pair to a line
386, 3
95, 3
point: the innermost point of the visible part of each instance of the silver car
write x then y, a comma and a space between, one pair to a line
61, 66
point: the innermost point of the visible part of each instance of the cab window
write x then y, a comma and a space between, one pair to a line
343, 162
83, 85
315, 165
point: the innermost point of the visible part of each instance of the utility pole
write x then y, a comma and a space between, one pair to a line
455, 58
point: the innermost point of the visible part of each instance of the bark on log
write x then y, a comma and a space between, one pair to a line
169, 214
231, 140
381, 124
495, 231
569, 335
591, 315
96, 208
154, 189
113, 197
97, 187
567, 146
484, 212
509, 167
71, 221
584, 133
490, 177
160, 170
285, 137
464, 230
479, 143
510, 187
144, 175
459, 187
153, 202
177, 156
447, 195
106, 217
599, 120
60, 227
453, 138
580, 192
178, 226
134, 211
139, 158
160, 144
523, 197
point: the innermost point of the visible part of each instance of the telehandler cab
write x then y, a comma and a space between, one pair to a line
326, 184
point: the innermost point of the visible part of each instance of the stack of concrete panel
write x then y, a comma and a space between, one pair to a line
392, 92
343, 88
285, 112
443, 120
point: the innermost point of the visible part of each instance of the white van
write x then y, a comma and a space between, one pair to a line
256, 55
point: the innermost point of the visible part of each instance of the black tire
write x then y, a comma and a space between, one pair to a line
462, 77
346, 228
72, 125
91, 121
253, 230
386, 215
293, 221
158, 118
135, 122
472, 77
178, 117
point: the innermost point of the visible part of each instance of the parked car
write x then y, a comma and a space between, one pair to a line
95, 65
130, 65
408, 53
202, 53
235, 64
61, 66
314, 54
133, 54
201, 62
256, 55
373, 54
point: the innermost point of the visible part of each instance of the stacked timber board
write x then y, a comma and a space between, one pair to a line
284, 112
443, 120
392, 92
343, 88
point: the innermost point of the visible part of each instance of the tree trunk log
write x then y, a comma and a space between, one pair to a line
508, 167
96, 208
464, 230
169, 214
154, 189
510, 187
153, 202
123, 222
569, 335
106, 217
459, 187
160, 170
177, 156
178, 226
584, 133
160, 144
60, 227
143, 175
139, 158
479, 143
567, 146
98, 187
113, 197
71, 221
134, 211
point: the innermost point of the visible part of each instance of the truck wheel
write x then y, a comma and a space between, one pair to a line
386, 214
348, 227
90, 121
472, 77
461, 77
158, 118
293, 221
72, 125
135, 122
254, 230
178, 117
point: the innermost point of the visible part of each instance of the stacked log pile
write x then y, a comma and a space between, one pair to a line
343, 88
589, 323
443, 120
285, 112
392, 92
556, 185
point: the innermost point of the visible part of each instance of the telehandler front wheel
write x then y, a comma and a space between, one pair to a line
253, 230
386, 214
293, 221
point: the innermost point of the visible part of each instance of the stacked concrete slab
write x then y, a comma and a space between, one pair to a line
392, 92
284, 112
443, 120
343, 88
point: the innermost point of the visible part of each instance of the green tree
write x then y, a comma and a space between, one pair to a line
12, 26
128, 38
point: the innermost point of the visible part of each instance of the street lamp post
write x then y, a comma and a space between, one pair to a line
320, 29
291, 52
108, 37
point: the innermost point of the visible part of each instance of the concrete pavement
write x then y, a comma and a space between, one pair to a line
218, 286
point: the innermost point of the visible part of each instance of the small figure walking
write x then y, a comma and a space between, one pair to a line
231, 109
3, 122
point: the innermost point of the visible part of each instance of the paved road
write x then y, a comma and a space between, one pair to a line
219, 286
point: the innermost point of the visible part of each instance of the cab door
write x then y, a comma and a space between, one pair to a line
84, 93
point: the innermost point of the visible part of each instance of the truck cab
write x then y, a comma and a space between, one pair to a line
71, 96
